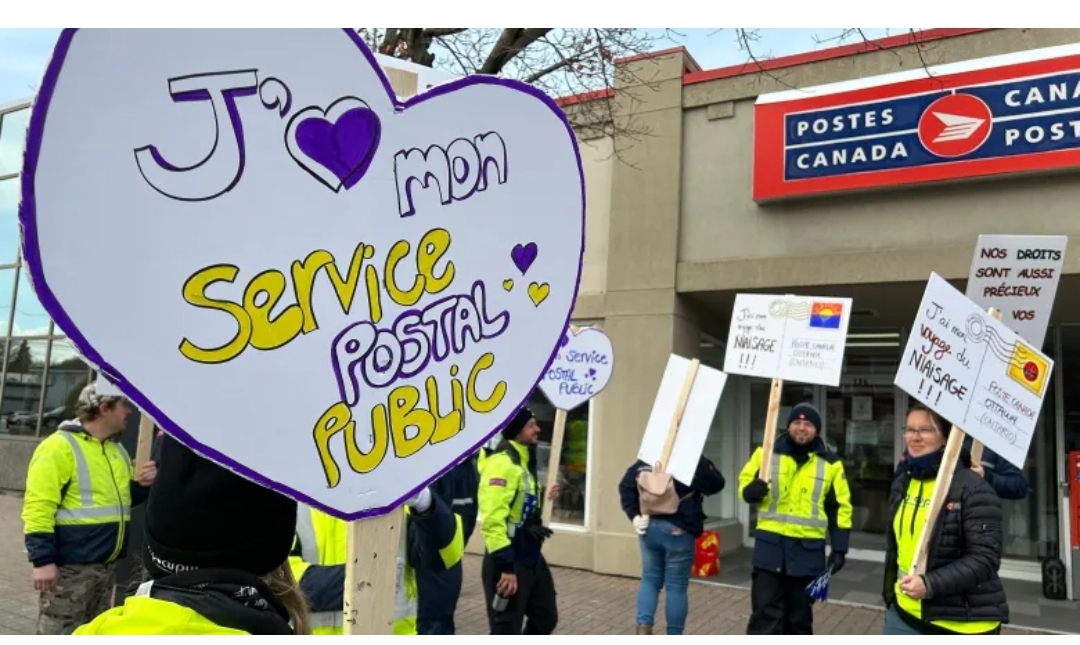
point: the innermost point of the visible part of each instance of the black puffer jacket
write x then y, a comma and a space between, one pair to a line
965, 553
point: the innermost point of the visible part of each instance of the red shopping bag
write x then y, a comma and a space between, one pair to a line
707, 555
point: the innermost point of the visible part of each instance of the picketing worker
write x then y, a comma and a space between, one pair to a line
518, 586
432, 539
77, 511
806, 500
667, 543
439, 589
1007, 480
215, 557
959, 592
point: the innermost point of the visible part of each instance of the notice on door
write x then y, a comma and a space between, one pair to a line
1018, 275
794, 338
974, 371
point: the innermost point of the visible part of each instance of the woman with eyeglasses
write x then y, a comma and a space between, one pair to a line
960, 592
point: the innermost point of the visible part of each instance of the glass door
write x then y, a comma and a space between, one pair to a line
861, 426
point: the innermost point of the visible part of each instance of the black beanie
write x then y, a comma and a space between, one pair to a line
510, 432
808, 412
202, 516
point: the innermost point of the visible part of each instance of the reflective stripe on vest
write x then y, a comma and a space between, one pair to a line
404, 606
816, 521
87, 510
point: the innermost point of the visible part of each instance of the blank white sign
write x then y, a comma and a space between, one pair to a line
697, 418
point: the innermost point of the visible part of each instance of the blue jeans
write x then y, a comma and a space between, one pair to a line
895, 626
667, 555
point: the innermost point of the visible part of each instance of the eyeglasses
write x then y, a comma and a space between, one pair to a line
922, 432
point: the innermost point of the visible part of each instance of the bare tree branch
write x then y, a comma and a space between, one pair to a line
561, 62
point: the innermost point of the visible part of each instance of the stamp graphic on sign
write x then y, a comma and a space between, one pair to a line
325, 275
795, 338
826, 315
974, 371
1028, 368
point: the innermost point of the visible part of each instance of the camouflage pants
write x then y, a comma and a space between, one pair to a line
83, 591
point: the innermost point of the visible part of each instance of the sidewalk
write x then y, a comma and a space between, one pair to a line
588, 603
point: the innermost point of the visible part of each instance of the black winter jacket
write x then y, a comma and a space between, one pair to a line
690, 516
961, 577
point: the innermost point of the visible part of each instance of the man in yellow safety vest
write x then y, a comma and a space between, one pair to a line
806, 499
433, 540
76, 511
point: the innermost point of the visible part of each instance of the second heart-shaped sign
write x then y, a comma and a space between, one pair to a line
336, 294
580, 370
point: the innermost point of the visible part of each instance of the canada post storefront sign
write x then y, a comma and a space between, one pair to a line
1007, 114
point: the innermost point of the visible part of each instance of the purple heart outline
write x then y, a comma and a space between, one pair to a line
524, 256
342, 139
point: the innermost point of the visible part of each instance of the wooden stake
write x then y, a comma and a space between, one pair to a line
145, 441
976, 445
372, 548
676, 419
554, 459
937, 501
771, 417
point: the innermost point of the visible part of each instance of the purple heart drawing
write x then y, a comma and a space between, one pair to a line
524, 256
336, 145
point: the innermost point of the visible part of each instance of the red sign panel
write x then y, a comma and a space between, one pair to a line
1007, 114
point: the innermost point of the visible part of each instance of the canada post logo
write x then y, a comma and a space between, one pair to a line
1024, 117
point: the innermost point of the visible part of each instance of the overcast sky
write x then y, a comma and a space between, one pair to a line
25, 52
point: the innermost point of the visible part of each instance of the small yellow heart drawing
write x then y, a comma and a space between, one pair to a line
538, 293
508, 284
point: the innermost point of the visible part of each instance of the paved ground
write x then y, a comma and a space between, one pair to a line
588, 603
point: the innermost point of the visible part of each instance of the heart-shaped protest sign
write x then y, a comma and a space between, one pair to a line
580, 370
323, 276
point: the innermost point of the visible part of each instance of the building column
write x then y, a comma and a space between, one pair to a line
643, 315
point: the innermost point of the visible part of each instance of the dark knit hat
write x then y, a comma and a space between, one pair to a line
202, 516
519, 421
808, 412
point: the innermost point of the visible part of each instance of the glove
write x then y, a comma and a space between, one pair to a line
836, 561
420, 502
755, 491
539, 532
641, 522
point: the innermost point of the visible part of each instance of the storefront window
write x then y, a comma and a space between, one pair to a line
30, 317
66, 378
12, 135
861, 427
9, 219
569, 507
20, 409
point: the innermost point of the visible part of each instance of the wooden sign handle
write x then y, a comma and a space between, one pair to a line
371, 549
976, 445
145, 441
941, 491
769, 439
554, 459
676, 418
771, 417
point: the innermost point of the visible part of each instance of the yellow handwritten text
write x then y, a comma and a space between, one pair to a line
406, 407
251, 312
